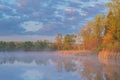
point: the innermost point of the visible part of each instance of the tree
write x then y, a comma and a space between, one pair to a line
27, 45
69, 41
92, 34
11, 46
58, 41
42, 45
112, 36
3, 46
39, 45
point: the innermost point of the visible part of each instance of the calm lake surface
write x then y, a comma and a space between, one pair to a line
52, 66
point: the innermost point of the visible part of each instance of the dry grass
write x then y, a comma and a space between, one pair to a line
74, 52
109, 55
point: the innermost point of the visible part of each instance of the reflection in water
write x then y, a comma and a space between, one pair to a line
36, 75
111, 69
32, 66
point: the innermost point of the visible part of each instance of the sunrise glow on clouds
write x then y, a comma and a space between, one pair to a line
47, 17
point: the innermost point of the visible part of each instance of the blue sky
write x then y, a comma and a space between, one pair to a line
47, 17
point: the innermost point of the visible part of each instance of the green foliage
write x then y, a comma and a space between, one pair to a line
69, 41
38, 45
27, 46
58, 41
65, 43
3, 46
11, 46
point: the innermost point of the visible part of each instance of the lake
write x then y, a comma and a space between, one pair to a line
52, 66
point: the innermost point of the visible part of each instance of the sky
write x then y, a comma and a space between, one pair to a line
46, 17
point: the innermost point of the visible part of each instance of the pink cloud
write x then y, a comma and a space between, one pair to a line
70, 10
1, 6
22, 3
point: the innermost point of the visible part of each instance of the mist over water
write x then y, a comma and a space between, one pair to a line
52, 66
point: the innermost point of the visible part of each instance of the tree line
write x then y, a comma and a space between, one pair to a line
26, 46
65, 42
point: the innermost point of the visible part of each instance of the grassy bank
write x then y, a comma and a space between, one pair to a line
76, 52
101, 55
109, 55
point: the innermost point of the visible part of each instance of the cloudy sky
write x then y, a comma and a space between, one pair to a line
47, 17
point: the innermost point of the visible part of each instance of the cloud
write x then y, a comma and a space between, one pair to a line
32, 75
10, 26
1, 6
47, 17
32, 26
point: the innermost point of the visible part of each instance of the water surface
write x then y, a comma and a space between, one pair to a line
51, 66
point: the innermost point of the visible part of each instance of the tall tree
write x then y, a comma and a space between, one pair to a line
92, 34
112, 36
58, 41
69, 41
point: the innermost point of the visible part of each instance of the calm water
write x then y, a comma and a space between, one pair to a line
50, 66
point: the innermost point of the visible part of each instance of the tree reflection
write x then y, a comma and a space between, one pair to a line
111, 69
92, 70
66, 64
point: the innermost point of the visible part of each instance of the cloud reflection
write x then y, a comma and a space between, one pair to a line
32, 75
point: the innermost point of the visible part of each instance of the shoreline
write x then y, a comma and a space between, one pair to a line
109, 55
76, 52
101, 55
